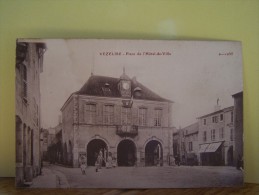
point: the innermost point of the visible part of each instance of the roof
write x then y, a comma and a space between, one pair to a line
95, 87
237, 94
191, 129
217, 112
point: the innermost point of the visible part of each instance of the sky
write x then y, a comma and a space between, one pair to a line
192, 74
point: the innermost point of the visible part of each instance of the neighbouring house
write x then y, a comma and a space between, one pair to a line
216, 137
29, 65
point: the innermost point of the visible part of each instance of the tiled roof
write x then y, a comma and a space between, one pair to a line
193, 128
95, 86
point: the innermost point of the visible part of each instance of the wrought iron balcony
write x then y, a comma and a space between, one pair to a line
127, 130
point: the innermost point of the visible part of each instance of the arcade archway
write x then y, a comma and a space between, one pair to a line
153, 153
126, 153
93, 149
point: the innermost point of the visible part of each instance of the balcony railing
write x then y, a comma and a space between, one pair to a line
127, 130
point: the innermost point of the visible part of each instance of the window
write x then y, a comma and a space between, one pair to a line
142, 116
158, 116
204, 121
190, 146
232, 117
126, 116
221, 133
24, 83
183, 146
90, 113
221, 117
204, 136
231, 135
215, 119
213, 134
108, 114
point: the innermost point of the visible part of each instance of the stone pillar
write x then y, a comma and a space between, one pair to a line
19, 153
165, 157
138, 156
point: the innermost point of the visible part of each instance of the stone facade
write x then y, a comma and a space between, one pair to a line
216, 137
119, 117
29, 57
238, 126
191, 144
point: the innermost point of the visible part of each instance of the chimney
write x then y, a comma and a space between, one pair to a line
217, 106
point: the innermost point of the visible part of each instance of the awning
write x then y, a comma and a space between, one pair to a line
203, 147
213, 147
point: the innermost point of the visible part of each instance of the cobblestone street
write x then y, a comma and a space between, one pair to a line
141, 177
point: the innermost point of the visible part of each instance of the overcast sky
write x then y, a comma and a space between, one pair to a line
193, 74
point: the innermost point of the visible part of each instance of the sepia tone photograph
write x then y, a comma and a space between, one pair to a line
96, 113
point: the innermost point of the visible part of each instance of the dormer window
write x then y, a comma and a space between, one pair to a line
106, 89
137, 92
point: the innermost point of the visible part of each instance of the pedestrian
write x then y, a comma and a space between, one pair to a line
240, 165
99, 161
109, 161
83, 167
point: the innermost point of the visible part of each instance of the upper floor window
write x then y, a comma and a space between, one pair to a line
90, 113
126, 116
221, 117
108, 114
204, 136
190, 146
213, 132
204, 121
142, 116
231, 134
215, 119
221, 133
158, 117
24, 82
232, 117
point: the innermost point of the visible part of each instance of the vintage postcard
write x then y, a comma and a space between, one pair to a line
128, 113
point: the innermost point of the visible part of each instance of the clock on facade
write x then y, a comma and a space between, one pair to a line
125, 86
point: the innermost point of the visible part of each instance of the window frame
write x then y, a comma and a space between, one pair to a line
108, 114
158, 112
90, 113
142, 116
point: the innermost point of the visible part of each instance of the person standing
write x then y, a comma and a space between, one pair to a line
99, 161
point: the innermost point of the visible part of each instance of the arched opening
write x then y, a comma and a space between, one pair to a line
19, 148
93, 149
230, 156
126, 152
153, 153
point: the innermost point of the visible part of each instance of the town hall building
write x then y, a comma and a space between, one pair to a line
118, 117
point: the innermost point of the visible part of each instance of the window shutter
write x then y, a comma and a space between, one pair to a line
99, 113
117, 115
135, 116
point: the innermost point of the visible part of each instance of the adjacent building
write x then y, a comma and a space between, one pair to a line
216, 137
29, 65
238, 126
191, 144
55, 151
118, 117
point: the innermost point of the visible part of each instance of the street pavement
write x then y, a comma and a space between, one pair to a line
139, 177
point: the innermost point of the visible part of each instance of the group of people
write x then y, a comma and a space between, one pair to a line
100, 161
